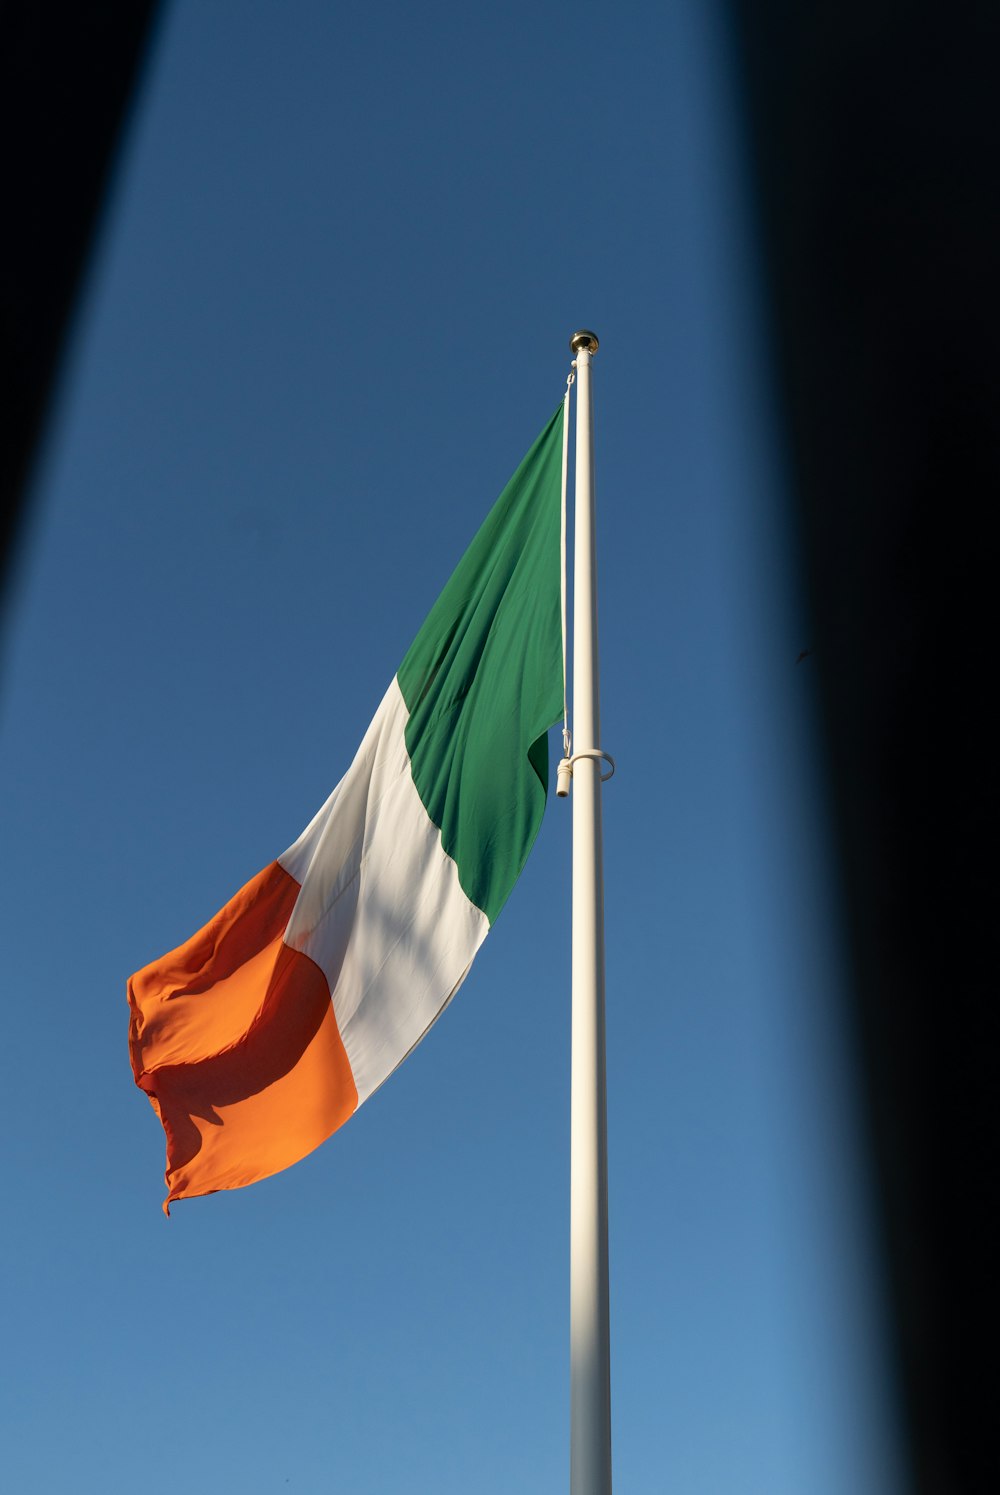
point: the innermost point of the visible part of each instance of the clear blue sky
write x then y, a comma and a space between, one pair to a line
328, 313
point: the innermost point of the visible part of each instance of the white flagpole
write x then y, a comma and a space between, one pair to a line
590, 1357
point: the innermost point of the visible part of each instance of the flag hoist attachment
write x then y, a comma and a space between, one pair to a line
590, 1354
566, 736
564, 771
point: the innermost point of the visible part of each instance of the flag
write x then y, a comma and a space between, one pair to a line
261, 1035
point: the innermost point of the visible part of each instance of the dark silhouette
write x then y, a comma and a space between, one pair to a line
873, 132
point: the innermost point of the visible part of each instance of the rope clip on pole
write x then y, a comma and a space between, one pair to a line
564, 772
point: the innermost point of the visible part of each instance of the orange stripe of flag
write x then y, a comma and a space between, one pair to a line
234, 1039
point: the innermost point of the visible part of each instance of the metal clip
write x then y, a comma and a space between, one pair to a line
564, 772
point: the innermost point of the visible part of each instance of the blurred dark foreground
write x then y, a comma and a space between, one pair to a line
874, 137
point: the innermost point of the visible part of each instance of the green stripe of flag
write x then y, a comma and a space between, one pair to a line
482, 682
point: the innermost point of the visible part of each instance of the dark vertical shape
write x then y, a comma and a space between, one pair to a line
875, 139
67, 75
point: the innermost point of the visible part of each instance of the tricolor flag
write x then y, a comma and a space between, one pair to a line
263, 1033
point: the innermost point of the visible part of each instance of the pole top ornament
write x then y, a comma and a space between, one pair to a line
583, 341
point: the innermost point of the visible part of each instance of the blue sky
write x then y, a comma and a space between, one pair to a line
328, 313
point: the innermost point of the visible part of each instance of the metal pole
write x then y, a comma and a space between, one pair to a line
590, 1357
